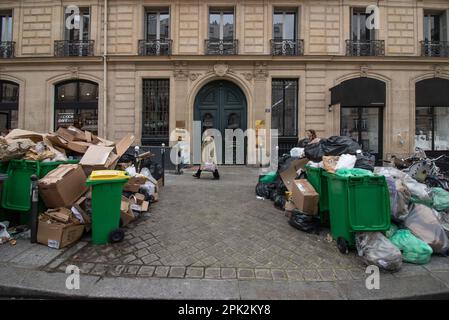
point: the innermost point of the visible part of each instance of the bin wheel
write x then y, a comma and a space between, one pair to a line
116, 236
342, 245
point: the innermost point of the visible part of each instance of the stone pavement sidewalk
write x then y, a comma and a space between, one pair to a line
210, 239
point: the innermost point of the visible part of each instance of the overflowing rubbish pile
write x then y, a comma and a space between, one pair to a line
388, 215
71, 165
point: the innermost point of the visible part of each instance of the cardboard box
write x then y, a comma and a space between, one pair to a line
131, 187
305, 197
290, 206
62, 186
58, 235
126, 213
80, 209
140, 198
140, 208
66, 134
123, 145
288, 176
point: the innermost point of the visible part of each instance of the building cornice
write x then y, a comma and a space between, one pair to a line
236, 58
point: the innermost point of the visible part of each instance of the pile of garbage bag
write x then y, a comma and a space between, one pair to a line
332, 146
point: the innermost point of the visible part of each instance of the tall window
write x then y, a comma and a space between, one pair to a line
359, 31
221, 24
435, 27
284, 25
76, 104
83, 19
6, 26
9, 105
284, 110
156, 104
158, 24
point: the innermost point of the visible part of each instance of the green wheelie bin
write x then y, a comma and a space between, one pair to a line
357, 204
107, 187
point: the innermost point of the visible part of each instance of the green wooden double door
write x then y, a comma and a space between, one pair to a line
222, 105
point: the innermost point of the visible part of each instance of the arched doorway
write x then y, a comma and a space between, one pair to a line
362, 103
9, 105
221, 105
76, 104
432, 116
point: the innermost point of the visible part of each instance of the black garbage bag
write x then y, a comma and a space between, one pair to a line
156, 169
284, 162
303, 143
127, 157
280, 187
338, 145
279, 202
314, 151
366, 161
265, 190
303, 222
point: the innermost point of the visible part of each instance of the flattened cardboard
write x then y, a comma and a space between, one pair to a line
305, 197
62, 186
25, 134
58, 235
66, 134
61, 214
289, 175
96, 156
123, 145
78, 146
57, 141
88, 136
80, 206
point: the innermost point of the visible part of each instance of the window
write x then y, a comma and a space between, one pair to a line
359, 31
284, 25
158, 24
432, 128
76, 104
5, 26
83, 19
9, 106
435, 26
221, 24
284, 108
156, 104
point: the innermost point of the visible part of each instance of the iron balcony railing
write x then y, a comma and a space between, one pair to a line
435, 48
221, 47
287, 47
365, 48
7, 49
161, 47
71, 48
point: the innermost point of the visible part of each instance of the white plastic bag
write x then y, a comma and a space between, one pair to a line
375, 248
297, 153
418, 190
4, 235
131, 171
346, 161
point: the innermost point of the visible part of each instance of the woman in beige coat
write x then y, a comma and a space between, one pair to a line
209, 158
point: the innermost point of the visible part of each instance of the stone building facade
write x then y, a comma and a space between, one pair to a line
292, 65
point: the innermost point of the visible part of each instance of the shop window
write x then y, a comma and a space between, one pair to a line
432, 128
9, 106
76, 104
284, 108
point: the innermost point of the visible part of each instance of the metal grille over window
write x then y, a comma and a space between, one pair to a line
156, 104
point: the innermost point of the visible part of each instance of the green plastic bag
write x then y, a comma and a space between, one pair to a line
440, 199
355, 172
414, 250
270, 177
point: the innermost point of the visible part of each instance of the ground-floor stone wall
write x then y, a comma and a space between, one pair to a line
123, 113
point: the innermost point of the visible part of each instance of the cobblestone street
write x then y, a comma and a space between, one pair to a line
218, 229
